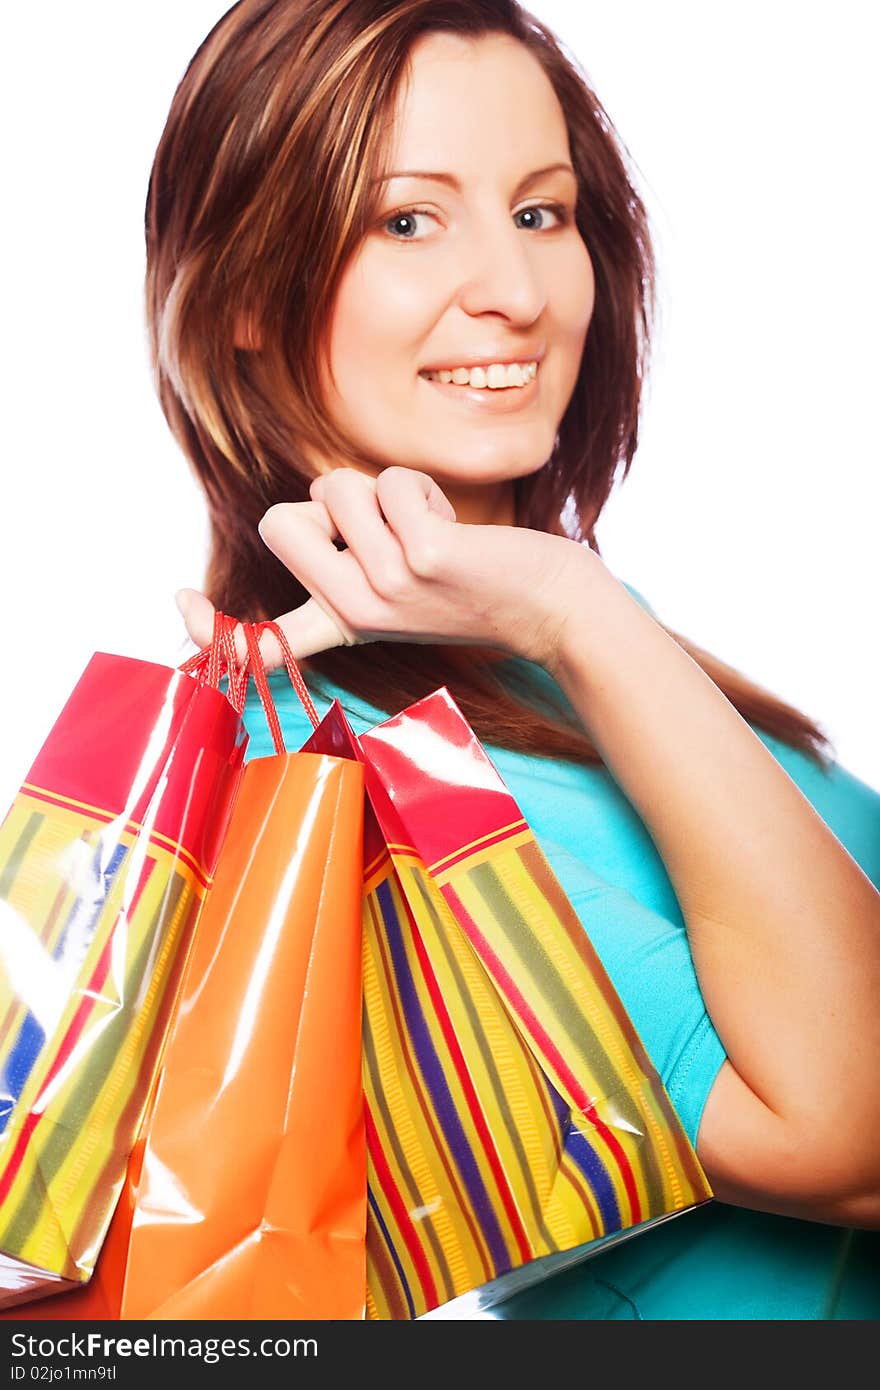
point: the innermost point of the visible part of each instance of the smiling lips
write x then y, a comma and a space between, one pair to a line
496, 376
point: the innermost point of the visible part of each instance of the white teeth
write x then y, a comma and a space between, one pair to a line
498, 375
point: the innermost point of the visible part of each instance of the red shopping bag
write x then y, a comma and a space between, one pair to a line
106, 855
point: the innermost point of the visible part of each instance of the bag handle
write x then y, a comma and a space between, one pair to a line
220, 658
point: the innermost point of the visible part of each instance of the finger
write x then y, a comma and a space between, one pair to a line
197, 612
296, 521
309, 629
289, 514
352, 501
416, 509
303, 542
437, 500
333, 577
317, 485
290, 529
316, 512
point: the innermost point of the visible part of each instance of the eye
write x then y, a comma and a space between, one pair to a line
406, 218
538, 210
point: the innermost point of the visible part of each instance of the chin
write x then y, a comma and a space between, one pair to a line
450, 477
483, 470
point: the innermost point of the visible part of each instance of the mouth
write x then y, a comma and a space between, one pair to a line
496, 389
487, 376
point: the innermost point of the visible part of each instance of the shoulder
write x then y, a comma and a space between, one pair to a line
639, 597
848, 805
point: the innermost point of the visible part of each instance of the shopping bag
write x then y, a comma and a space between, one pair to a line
251, 1201
106, 855
515, 1123
246, 1191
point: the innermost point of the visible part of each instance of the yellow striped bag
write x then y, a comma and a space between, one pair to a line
514, 1120
105, 858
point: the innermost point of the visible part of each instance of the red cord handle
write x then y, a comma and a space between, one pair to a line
219, 658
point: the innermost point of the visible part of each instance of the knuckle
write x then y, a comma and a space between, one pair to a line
392, 478
341, 479
272, 515
278, 517
392, 582
425, 559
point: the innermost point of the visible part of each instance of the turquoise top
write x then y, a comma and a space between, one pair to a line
718, 1261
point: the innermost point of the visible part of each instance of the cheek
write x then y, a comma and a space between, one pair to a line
576, 292
379, 313
574, 298
355, 326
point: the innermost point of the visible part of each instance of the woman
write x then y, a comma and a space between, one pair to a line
399, 293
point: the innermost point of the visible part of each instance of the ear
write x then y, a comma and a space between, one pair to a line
245, 335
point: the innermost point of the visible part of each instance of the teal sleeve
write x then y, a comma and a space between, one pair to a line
649, 963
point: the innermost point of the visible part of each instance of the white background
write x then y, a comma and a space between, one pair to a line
749, 520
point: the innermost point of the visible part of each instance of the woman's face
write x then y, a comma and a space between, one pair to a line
483, 265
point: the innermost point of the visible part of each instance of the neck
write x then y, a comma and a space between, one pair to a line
486, 504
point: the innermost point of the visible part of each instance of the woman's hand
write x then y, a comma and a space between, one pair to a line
410, 572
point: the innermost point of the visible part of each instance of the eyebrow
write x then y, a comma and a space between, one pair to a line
453, 182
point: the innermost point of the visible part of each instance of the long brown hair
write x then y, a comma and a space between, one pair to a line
260, 192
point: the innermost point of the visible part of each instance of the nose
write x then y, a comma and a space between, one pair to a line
500, 273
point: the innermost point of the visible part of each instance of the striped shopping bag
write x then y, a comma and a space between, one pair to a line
105, 858
514, 1121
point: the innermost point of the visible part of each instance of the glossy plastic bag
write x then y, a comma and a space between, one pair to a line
515, 1123
105, 858
251, 1202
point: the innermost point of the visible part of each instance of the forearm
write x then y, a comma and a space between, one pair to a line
784, 927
